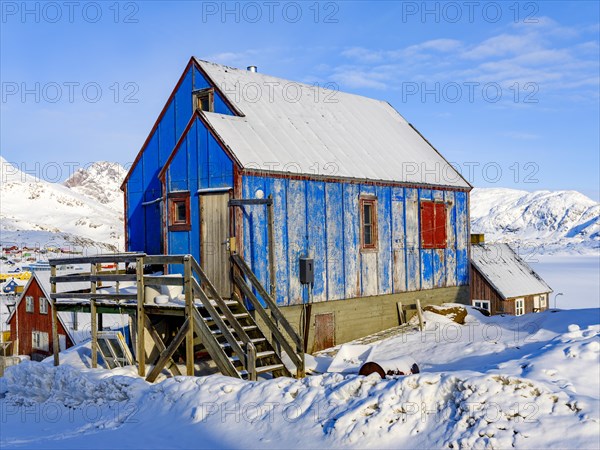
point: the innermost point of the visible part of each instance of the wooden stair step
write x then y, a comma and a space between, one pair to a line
231, 330
222, 316
254, 341
270, 368
259, 355
263, 369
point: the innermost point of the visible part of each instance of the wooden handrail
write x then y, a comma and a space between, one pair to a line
241, 264
216, 317
296, 359
221, 303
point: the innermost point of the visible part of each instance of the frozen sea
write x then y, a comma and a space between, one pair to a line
577, 277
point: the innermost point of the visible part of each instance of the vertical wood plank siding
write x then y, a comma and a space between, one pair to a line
321, 220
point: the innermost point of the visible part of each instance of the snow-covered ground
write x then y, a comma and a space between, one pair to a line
494, 382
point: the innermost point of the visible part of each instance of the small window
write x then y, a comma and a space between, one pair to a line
179, 211
543, 301
204, 100
482, 304
43, 305
39, 340
29, 305
368, 222
433, 224
519, 307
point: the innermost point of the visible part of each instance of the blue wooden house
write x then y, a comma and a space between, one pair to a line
346, 185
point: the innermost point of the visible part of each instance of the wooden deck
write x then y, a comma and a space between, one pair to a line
204, 322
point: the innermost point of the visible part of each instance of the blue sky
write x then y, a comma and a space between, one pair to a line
507, 91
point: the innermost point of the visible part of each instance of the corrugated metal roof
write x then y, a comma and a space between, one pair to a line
506, 271
299, 128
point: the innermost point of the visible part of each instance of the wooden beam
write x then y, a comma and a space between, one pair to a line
159, 343
250, 201
94, 323
163, 281
88, 277
97, 296
109, 258
168, 352
164, 259
189, 307
271, 238
55, 342
401, 319
141, 344
251, 351
420, 314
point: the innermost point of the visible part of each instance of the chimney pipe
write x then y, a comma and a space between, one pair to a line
251, 68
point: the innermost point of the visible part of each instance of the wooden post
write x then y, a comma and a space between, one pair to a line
251, 357
189, 311
420, 314
401, 319
271, 237
55, 343
272, 265
94, 318
141, 346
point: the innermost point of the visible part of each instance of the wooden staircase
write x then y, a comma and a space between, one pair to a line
225, 328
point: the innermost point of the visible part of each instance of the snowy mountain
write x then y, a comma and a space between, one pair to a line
35, 212
88, 209
537, 222
100, 181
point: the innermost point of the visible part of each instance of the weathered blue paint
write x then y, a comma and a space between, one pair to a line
198, 163
322, 220
144, 221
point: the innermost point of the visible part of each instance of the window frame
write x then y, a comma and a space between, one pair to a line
489, 305
209, 94
37, 343
374, 245
29, 304
522, 307
435, 243
175, 198
43, 301
543, 301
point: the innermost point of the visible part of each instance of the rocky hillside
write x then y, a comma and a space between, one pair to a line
540, 221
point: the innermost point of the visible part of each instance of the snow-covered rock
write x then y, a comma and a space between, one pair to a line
537, 222
100, 181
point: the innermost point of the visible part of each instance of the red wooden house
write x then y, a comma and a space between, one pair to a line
31, 321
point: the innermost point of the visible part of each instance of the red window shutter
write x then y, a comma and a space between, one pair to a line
439, 233
427, 225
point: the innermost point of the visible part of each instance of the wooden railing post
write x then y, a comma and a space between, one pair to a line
141, 345
189, 311
94, 316
271, 238
251, 358
55, 343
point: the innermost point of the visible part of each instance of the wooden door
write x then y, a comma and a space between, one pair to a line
214, 229
324, 331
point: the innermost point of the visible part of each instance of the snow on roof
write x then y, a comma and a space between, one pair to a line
506, 271
299, 128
